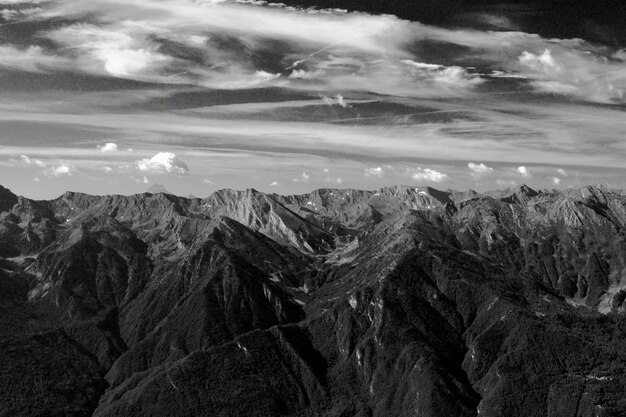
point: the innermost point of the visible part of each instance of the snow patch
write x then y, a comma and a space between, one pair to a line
353, 301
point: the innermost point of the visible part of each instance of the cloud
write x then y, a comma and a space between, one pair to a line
14, 14
163, 162
333, 180
562, 172
61, 170
126, 52
29, 59
20, 2
211, 44
30, 161
453, 76
374, 172
556, 180
428, 174
108, 147
522, 171
479, 170
506, 183
541, 63
274, 184
577, 72
324, 50
107, 169
337, 100
304, 177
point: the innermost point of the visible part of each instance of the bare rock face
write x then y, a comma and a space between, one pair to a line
394, 302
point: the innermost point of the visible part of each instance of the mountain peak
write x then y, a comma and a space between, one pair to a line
157, 188
7, 199
520, 195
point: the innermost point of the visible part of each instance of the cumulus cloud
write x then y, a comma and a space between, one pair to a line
479, 170
61, 170
556, 180
428, 174
274, 184
575, 71
562, 172
108, 147
542, 63
522, 171
374, 172
163, 162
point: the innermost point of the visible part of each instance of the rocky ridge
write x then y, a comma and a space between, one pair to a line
392, 302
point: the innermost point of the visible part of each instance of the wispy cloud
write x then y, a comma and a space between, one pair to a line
214, 44
32, 161
30, 59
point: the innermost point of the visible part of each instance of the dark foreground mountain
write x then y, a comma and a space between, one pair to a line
397, 302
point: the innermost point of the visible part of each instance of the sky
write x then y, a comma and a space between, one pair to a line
112, 97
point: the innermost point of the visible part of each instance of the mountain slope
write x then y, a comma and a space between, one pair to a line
393, 302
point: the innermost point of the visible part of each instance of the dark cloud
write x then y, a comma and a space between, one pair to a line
598, 21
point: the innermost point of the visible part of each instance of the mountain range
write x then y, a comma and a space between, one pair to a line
394, 302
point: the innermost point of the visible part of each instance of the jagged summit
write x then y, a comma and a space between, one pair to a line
519, 195
157, 188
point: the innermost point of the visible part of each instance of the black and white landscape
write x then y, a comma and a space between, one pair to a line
336, 261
